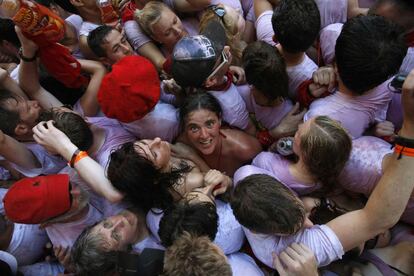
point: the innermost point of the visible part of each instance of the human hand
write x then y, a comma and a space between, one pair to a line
239, 74
407, 101
217, 179
384, 128
51, 138
289, 124
29, 48
295, 260
63, 256
171, 87
324, 79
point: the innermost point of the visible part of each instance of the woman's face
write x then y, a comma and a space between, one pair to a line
118, 231
236, 16
302, 130
156, 151
202, 128
169, 29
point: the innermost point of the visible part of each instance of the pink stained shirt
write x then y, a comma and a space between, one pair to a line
279, 167
320, 238
327, 39
355, 113
269, 117
364, 170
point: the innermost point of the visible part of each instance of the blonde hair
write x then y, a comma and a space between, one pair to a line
230, 27
149, 15
196, 256
325, 150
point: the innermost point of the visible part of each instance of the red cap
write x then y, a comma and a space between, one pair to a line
36, 199
131, 90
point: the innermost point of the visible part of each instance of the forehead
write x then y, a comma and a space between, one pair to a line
201, 115
112, 38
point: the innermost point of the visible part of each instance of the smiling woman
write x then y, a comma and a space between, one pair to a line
223, 149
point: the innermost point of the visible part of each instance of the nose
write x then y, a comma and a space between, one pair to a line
125, 48
203, 132
177, 30
156, 141
118, 224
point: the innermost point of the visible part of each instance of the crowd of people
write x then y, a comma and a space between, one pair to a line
207, 137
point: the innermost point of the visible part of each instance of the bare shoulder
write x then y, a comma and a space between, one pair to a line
241, 143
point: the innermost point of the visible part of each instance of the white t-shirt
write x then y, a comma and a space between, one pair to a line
65, 234
269, 117
161, 122
42, 268
243, 264
300, 73
148, 242
320, 238
233, 106
229, 237
355, 113
332, 11
87, 27
327, 38
49, 164
28, 240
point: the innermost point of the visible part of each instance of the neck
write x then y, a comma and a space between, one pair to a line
99, 137
299, 171
92, 15
142, 232
343, 89
291, 59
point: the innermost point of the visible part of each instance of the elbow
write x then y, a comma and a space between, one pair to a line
114, 198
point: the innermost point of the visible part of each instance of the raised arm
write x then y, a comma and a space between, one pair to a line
88, 101
17, 153
389, 199
9, 84
29, 75
47, 135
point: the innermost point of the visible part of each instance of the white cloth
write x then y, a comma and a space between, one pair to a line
229, 237
49, 164
298, 74
161, 122
327, 38
243, 264
355, 113
65, 234
148, 242
27, 243
321, 240
87, 27
233, 106
42, 268
269, 117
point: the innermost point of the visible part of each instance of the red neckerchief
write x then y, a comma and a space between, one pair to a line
409, 38
225, 85
128, 12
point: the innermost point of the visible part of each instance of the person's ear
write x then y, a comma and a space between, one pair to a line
21, 129
274, 38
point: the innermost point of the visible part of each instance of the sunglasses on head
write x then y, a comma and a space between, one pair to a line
224, 62
219, 11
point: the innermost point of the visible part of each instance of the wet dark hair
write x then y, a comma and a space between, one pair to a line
296, 24
198, 218
8, 119
8, 33
97, 38
197, 101
264, 205
265, 69
143, 184
73, 125
369, 50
